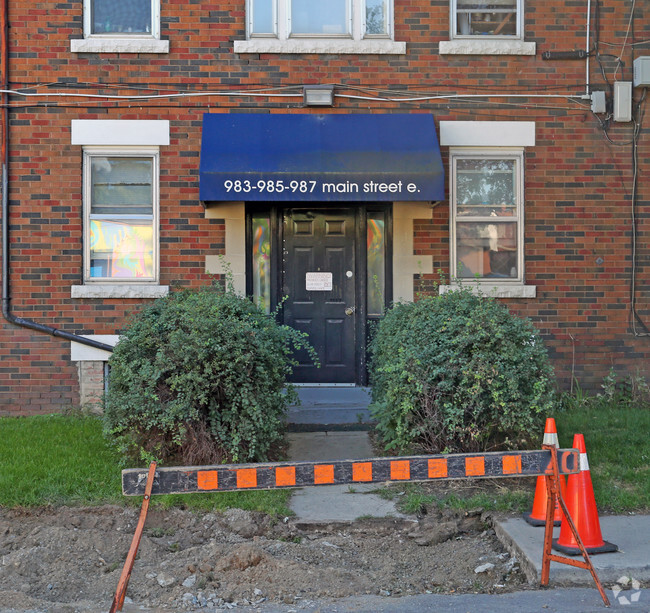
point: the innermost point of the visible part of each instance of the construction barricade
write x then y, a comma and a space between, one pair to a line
550, 463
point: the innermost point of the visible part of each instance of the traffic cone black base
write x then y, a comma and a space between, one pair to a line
528, 517
575, 551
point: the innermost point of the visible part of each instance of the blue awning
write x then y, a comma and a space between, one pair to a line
320, 158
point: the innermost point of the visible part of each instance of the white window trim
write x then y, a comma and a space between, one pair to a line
125, 285
486, 45
282, 41
487, 153
121, 43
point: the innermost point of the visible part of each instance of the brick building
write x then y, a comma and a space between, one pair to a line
342, 153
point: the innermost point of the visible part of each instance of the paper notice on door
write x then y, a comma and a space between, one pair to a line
318, 281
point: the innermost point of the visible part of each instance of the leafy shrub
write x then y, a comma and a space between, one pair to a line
199, 377
458, 373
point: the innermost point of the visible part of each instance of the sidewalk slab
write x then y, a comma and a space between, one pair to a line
631, 533
336, 503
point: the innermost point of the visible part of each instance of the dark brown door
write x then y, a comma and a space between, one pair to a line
318, 279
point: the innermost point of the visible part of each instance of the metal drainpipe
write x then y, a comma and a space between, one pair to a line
6, 298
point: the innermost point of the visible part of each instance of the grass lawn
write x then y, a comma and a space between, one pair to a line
618, 450
65, 460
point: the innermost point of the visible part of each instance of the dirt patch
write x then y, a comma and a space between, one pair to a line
70, 559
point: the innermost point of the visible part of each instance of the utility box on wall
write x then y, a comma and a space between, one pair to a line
642, 71
623, 101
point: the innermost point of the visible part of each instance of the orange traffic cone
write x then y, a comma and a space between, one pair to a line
581, 504
537, 517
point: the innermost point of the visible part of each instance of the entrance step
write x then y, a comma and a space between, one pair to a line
330, 408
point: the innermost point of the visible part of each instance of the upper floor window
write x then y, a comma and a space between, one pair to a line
120, 215
489, 18
487, 215
121, 26
332, 26
345, 18
121, 16
487, 27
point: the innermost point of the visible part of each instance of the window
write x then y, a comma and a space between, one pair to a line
376, 262
126, 26
487, 27
492, 18
348, 18
120, 16
261, 260
300, 26
487, 216
120, 215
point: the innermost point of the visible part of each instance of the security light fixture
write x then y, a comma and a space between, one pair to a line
318, 95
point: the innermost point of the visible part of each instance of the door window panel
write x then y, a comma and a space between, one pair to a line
376, 263
261, 260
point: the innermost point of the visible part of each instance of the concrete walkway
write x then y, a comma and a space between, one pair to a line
336, 503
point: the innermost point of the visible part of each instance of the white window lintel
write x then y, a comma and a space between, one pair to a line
487, 133
120, 132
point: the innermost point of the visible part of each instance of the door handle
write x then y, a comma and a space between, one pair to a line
350, 310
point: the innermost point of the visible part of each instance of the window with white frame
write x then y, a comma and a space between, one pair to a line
121, 215
487, 215
352, 19
121, 17
491, 18
122, 26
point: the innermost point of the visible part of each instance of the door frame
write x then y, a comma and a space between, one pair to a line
363, 322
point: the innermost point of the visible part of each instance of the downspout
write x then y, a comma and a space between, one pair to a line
6, 297
587, 43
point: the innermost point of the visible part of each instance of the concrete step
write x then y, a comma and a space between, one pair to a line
324, 407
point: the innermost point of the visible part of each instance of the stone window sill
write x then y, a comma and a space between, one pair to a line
329, 46
119, 45
494, 290
119, 291
466, 46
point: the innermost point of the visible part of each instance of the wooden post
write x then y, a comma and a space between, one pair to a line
555, 493
120, 592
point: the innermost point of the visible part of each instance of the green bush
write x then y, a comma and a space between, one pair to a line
458, 373
200, 377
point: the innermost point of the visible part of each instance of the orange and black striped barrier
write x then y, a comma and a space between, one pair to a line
227, 478
549, 462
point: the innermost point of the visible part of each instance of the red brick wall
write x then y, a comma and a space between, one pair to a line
578, 185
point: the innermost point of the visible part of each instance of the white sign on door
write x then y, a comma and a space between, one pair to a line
318, 281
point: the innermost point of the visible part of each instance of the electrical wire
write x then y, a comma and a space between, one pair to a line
627, 34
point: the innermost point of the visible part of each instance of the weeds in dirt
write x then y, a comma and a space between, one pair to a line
614, 422
490, 495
